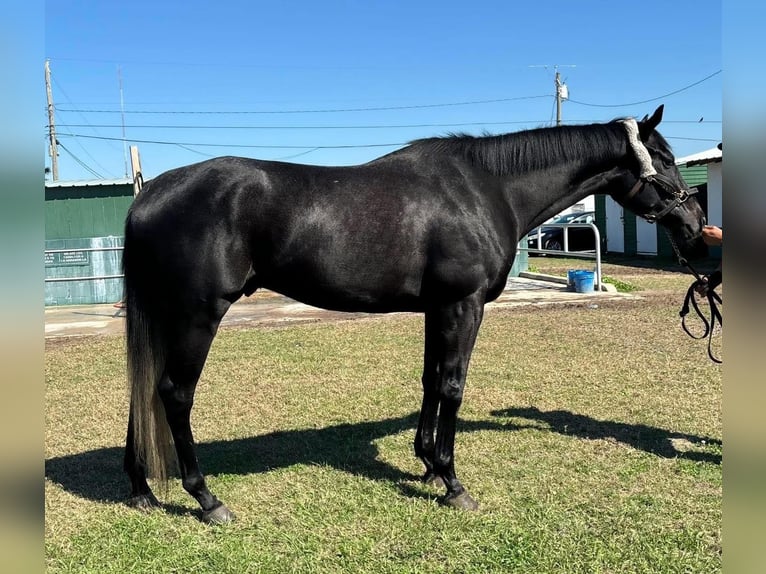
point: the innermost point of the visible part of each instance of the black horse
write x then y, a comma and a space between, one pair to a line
430, 228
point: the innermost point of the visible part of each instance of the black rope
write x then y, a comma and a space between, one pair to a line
708, 285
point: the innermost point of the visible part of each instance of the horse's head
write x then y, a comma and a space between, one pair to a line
653, 188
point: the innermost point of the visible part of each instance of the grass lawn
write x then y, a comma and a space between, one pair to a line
590, 436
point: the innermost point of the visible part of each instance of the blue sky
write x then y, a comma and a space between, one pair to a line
343, 81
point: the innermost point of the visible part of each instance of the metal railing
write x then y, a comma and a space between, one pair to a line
82, 250
596, 254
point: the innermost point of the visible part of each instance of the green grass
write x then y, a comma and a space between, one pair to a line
621, 286
591, 438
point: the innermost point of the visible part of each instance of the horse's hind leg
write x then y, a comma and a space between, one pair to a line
186, 358
141, 495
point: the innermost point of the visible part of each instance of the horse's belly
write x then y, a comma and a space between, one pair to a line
368, 290
350, 301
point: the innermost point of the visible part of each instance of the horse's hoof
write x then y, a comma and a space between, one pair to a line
462, 501
218, 515
144, 502
432, 479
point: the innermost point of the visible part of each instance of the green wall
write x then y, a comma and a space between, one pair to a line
694, 175
88, 211
84, 216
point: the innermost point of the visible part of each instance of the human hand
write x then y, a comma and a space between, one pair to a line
712, 235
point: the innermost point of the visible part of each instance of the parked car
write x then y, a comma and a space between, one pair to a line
579, 238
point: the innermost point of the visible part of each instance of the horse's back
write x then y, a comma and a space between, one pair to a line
370, 237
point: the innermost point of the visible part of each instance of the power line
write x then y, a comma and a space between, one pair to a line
193, 150
82, 163
302, 147
95, 161
385, 108
81, 146
316, 111
293, 156
345, 146
650, 99
322, 127
692, 139
354, 127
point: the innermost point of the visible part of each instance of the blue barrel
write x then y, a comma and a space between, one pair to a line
571, 275
583, 281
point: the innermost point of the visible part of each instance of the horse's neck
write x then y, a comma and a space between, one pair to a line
539, 195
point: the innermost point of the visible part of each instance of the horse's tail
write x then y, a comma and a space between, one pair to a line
146, 350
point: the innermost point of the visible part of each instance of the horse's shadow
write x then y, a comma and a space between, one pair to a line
97, 474
650, 439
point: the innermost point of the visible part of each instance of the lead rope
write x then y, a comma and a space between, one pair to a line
690, 301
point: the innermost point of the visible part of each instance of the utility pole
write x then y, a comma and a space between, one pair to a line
52, 149
562, 93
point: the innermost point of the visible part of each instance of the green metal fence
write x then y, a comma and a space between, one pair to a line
83, 271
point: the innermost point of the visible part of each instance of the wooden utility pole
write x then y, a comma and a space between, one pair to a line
52, 149
135, 164
562, 92
558, 98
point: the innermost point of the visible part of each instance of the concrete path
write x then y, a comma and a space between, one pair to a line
267, 308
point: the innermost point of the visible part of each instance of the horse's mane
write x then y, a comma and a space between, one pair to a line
533, 149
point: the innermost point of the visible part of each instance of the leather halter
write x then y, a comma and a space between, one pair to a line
679, 195
649, 175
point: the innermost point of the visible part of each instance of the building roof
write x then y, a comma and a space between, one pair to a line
88, 182
712, 155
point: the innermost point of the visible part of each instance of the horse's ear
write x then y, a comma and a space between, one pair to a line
647, 125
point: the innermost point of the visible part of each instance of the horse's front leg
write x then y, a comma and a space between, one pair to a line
425, 444
458, 326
